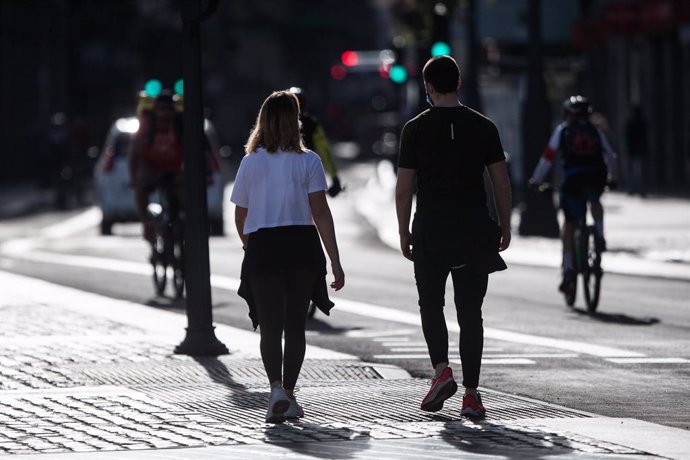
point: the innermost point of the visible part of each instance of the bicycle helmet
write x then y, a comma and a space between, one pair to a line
577, 105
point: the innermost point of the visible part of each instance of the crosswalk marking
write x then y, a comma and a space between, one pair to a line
520, 361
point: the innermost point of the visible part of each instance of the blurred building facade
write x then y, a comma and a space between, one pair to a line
619, 53
89, 59
638, 53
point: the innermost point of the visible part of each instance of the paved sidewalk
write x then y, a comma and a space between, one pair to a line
649, 237
83, 376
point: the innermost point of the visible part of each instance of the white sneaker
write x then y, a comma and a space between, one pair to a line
295, 410
278, 403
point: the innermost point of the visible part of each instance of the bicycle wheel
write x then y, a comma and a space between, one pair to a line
160, 266
592, 273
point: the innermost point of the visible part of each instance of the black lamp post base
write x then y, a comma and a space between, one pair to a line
201, 342
538, 216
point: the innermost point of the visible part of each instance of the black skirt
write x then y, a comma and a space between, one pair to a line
280, 249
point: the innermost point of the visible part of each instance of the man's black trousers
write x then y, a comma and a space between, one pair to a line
470, 289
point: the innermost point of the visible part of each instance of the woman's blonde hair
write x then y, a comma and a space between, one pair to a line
277, 125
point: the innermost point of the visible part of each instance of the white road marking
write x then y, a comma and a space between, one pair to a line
520, 361
649, 360
379, 335
404, 356
84, 221
529, 355
349, 306
408, 349
391, 314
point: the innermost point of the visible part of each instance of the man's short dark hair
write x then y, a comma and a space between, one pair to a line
442, 73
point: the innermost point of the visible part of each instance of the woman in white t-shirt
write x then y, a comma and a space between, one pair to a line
280, 212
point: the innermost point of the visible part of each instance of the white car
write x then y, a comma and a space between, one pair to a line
111, 179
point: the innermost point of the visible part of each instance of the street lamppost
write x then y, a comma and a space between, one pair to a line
200, 339
538, 216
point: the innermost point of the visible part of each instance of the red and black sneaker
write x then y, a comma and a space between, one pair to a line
442, 388
472, 406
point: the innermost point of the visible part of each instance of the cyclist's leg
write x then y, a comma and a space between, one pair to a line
574, 208
148, 182
595, 189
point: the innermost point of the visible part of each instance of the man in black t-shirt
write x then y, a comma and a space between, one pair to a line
444, 152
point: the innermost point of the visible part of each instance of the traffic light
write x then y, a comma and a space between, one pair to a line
179, 87
398, 74
349, 58
153, 87
440, 36
338, 72
440, 49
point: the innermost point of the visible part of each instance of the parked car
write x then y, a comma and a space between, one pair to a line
112, 183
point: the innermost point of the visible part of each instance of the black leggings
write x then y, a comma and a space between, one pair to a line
470, 289
282, 299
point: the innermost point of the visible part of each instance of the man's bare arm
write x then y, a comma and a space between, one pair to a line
404, 190
500, 182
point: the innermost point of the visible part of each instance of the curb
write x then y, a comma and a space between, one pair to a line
376, 204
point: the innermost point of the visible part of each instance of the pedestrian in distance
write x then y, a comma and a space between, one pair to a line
315, 139
280, 212
444, 152
638, 148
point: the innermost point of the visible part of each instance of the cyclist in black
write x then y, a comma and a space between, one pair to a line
315, 139
588, 163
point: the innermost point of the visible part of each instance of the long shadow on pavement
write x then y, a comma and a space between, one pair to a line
298, 436
619, 318
284, 435
316, 324
240, 395
482, 437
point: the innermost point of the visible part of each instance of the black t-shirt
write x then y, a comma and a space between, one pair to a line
449, 147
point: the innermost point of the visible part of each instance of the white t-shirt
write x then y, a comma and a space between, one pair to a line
275, 188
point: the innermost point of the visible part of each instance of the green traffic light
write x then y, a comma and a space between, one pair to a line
440, 49
179, 87
153, 87
398, 74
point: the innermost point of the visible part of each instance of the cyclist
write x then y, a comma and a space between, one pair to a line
156, 156
315, 139
588, 163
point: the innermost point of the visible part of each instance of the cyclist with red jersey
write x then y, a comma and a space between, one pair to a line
589, 163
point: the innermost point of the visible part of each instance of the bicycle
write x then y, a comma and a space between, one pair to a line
167, 250
587, 259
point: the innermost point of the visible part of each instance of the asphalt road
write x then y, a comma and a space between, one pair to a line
631, 359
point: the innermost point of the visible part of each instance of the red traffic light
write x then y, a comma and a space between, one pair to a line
350, 58
338, 72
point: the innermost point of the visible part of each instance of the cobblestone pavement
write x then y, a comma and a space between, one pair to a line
76, 382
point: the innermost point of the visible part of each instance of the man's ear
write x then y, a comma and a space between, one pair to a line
459, 83
429, 88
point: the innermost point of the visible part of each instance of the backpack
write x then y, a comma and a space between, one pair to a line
580, 145
163, 158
